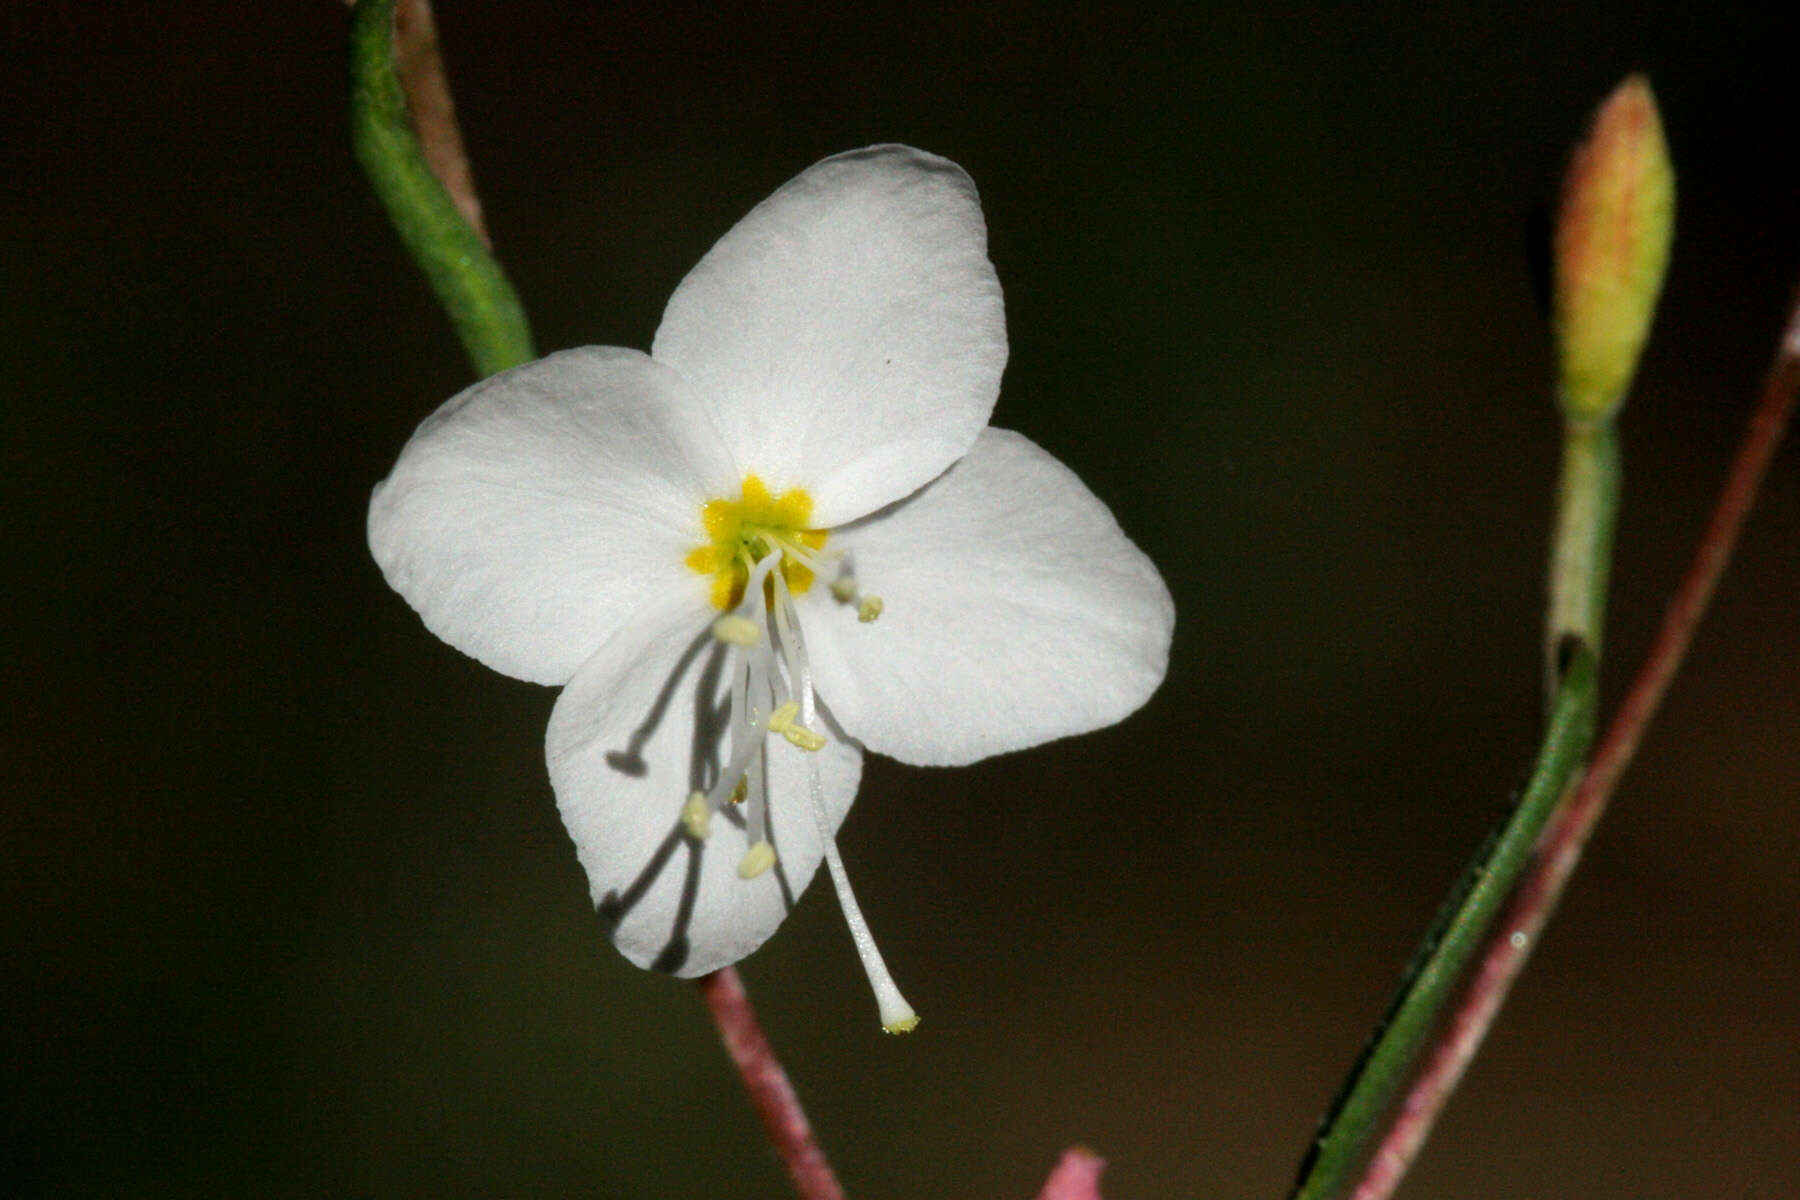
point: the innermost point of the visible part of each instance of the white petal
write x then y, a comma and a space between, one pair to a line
849, 332
625, 753
1015, 611
534, 511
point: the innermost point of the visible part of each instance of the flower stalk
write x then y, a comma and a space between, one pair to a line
1612, 244
1455, 937
1587, 508
466, 278
770, 1092
1559, 852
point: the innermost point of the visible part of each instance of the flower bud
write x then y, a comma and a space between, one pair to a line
1612, 243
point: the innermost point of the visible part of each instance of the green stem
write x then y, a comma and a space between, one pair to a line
1587, 505
468, 281
1350, 1128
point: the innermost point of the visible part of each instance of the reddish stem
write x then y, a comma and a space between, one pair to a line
420, 67
1076, 1177
783, 1118
1559, 850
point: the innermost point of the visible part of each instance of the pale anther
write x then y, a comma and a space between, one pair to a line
696, 816
736, 630
844, 588
782, 721
759, 859
869, 609
804, 738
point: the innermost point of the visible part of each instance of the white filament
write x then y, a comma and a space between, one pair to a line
897, 1016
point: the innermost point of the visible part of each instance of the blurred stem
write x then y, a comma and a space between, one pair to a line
1611, 249
754, 1057
1559, 852
1581, 548
468, 281
1587, 506
1075, 1177
1357, 1114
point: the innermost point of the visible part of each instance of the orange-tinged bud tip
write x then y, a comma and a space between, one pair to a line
1612, 245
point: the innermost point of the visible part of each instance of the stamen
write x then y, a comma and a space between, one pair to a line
782, 721
753, 588
813, 560
843, 588
759, 859
763, 678
793, 647
756, 799
733, 774
736, 630
897, 1016
803, 737
696, 816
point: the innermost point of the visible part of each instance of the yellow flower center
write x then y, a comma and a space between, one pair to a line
743, 532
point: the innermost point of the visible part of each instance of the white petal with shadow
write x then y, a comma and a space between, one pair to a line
638, 728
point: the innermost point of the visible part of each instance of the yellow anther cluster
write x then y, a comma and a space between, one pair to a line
742, 532
869, 609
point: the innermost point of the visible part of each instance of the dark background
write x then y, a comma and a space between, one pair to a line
285, 905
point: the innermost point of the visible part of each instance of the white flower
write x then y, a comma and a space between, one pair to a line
783, 536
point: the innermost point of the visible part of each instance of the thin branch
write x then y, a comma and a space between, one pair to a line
771, 1093
1560, 849
421, 69
420, 66
391, 137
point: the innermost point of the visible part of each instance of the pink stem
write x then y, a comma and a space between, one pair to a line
1559, 850
783, 1118
1076, 1177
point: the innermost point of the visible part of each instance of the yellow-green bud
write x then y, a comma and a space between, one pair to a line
1612, 244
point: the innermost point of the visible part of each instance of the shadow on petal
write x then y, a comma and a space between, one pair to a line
615, 905
711, 714
630, 760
